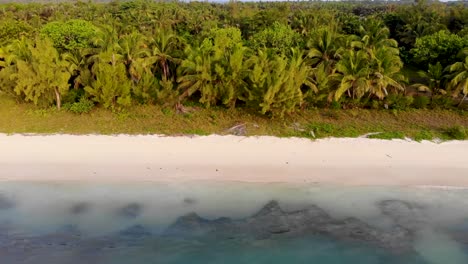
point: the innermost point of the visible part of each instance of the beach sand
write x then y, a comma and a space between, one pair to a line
356, 161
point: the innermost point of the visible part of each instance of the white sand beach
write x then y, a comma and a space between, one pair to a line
357, 161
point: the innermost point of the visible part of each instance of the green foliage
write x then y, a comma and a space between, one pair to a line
442, 102
388, 135
321, 129
196, 74
280, 38
274, 58
43, 78
111, 86
352, 75
11, 30
459, 80
323, 48
420, 102
434, 76
442, 47
83, 106
216, 69
70, 35
7, 70
399, 101
199, 132
423, 135
275, 85
456, 132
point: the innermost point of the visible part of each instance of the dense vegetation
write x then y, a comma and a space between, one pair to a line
272, 58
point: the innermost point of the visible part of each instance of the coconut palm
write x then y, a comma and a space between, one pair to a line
323, 48
133, 49
375, 34
275, 84
231, 72
435, 76
164, 46
78, 66
196, 74
105, 39
7, 69
460, 78
385, 72
352, 75
2, 58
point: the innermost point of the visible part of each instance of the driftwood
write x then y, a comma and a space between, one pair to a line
238, 130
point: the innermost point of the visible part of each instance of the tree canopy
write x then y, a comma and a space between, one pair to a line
275, 58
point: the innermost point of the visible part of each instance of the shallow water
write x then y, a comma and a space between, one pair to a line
75, 222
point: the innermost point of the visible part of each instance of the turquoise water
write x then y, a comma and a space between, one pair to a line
227, 222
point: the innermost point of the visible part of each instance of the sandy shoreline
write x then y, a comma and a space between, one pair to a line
229, 158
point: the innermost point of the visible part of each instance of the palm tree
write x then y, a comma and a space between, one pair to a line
163, 48
435, 76
133, 50
323, 48
385, 72
195, 74
78, 66
319, 83
105, 39
231, 72
2, 58
352, 75
375, 34
275, 84
7, 69
460, 78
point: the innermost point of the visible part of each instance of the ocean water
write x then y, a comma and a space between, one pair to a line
230, 222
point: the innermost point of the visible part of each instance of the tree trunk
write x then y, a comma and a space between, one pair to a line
57, 97
461, 101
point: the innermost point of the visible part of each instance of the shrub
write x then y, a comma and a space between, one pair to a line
421, 102
278, 37
456, 132
335, 105
399, 101
71, 35
423, 135
388, 135
321, 129
442, 47
84, 105
11, 30
442, 102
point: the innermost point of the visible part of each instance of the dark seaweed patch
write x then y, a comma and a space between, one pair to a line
131, 210
80, 208
6, 203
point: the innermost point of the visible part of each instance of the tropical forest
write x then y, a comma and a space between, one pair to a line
310, 69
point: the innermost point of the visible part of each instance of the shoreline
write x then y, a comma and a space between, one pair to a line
265, 159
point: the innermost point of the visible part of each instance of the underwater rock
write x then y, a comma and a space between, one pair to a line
194, 225
189, 201
271, 221
6, 203
80, 208
135, 232
131, 210
459, 232
404, 214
